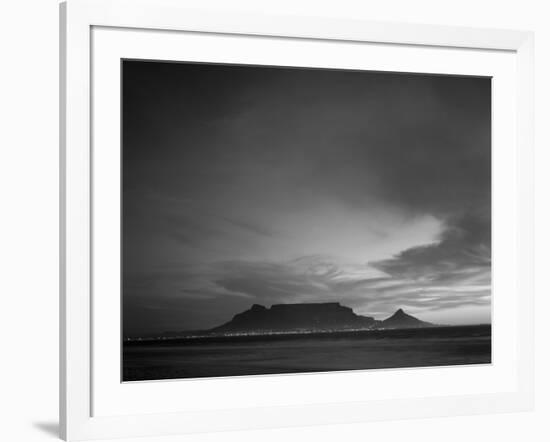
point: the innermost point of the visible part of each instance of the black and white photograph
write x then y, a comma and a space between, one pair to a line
282, 220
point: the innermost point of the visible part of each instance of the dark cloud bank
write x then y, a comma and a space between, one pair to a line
247, 185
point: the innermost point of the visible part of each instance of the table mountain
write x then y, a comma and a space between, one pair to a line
296, 317
303, 318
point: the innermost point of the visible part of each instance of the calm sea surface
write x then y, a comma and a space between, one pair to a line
252, 355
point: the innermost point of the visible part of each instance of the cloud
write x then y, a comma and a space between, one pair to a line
464, 246
420, 285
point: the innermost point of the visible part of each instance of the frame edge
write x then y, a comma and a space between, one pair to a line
77, 16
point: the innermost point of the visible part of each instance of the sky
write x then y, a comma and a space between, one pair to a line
263, 185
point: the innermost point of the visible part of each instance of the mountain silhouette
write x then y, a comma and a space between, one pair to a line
400, 319
331, 316
296, 317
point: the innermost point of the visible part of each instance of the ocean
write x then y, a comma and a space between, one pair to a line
305, 353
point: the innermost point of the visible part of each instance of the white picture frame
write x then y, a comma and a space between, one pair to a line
78, 420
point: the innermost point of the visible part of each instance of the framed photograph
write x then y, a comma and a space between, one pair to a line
282, 221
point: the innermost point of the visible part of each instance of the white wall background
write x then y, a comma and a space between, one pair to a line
29, 217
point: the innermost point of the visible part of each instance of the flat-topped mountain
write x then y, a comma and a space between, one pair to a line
331, 316
302, 318
289, 317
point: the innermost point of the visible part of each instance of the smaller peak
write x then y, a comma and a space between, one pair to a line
257, 307
400, 313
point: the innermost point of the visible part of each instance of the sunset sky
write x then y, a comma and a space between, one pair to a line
266, 185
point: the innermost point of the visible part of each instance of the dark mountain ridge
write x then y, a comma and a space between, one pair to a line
283, 317
331, 316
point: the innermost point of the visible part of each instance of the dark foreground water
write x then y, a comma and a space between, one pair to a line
253, 355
